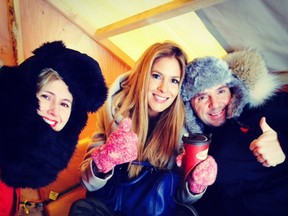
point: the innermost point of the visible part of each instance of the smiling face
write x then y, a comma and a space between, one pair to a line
210, 105
55, 104
164, 84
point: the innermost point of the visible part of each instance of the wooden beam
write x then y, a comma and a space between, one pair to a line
76, 19
6, 50
17, 32
14, 28
118, 53
157, 14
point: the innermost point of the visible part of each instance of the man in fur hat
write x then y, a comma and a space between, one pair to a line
35, 147
247, 117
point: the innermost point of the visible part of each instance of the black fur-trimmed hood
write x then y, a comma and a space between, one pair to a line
31, 153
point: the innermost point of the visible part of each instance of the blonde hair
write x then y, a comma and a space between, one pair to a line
132, 101
46, 76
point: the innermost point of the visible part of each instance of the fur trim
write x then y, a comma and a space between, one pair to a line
207, 72
249, 66
204, 73
192, 124
247, 77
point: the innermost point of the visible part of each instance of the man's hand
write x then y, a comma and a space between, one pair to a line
266, 147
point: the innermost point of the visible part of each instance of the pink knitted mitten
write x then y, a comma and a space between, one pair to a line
203, 175
120, 147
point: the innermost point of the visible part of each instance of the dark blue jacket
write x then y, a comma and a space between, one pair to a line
243, 185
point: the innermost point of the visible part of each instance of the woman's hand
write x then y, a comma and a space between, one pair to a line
203, 175
121, 147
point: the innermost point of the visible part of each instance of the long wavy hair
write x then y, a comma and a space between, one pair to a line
132, 101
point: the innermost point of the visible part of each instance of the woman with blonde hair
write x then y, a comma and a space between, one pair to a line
44, 106
138, 129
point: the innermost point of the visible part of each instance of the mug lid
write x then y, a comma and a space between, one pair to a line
196, 138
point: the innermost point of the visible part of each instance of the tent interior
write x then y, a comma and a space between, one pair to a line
116, 33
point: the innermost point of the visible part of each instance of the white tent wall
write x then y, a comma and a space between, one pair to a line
260, 24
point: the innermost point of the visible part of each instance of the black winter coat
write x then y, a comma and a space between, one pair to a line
243, 185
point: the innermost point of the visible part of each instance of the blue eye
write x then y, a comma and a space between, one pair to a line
175, 81
155, 76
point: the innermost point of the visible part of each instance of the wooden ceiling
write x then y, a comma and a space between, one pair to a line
114, 24
127, 27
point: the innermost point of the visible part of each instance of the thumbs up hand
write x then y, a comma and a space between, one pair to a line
266, 147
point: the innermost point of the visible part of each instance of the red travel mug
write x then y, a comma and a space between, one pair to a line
196, 147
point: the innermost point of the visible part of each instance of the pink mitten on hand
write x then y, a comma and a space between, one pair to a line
179, 158
203, 175
120, 147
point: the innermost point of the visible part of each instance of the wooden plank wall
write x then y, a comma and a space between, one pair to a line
6, 52
40, 23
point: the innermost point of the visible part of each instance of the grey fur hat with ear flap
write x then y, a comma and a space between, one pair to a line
207, 72
249, 66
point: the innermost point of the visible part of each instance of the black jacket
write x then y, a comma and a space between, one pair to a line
244, 187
